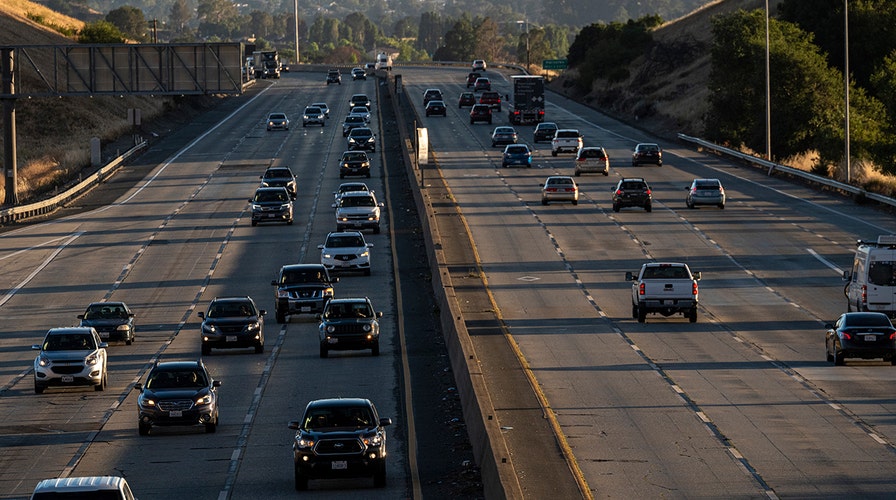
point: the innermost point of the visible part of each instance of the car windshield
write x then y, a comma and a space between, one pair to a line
591, 153
352, 417
171, 379
708, 186
360, 133
69, 342
312, 111
229, 310
648, 149
560, 181
105, 311
267, 196
277, 173
354, 119
278, 117
344, 241
358, 201
882, 273
665, 272
857, 320
517, 150
348, 310
345, 188
632, 185
296, 276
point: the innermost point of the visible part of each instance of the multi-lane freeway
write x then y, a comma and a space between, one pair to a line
740, 404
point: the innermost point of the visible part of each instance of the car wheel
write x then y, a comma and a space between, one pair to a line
211, 427
642, 314
544, 201
375, 350
289, 222
304, 125
341, 176
143, 428
376, 230
254, 223
692, 315
301, 480
489, 121
575, 202
259, 348
722, 206
615, 207
379, 477
689, 204
606, 173
839, 360
578, 173
471, 122
830, 357
634, 310
281, 317
368, 175
648, 207
323, 351
38, 389
206, 350
893, 360
553, 153
102, 385
129, 340
367, 272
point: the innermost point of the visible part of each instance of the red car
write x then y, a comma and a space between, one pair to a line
480, 113
466, 99
492, 99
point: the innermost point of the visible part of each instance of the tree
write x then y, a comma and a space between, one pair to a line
218, 18
130, 21
179, 15
100, 32
460, 41
261, 23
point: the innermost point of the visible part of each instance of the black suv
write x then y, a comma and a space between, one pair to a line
178, 393
340, 437
349, 324
632, 193
334, 76
302, 288
280, 177
232, 322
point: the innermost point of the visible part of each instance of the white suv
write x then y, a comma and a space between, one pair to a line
346, 251
70, 357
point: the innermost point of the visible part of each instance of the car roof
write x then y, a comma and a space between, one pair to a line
354, 117
307, 108
337, 402
505, 128
276, 169
360, 95
320, 104
278, 114
437, 101
177, 365
557, 177
360, 131
546, 125
357, 194
70, 329
345, 233
270, 188
293, 267
80, 484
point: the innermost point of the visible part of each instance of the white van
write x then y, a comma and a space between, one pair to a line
92, 487
871, 284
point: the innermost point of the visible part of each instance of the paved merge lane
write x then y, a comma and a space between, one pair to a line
740, 404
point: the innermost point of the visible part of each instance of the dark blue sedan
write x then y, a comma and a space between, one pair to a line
517, 155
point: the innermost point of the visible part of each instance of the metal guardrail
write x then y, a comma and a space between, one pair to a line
772, 166
46, 206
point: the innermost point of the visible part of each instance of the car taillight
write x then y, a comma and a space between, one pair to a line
646, 191
580, 159
694, 288
641, 289
892, 335
619, 192
846, 335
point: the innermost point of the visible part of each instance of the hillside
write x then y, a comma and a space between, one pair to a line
667, 92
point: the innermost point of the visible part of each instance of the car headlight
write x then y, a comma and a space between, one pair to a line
351, 140
252, 326
282, 294
305, 117
209, 328
328, 292
304, 442
123, 328
375, 440
256, 207
327, 255
331, 328
92, 359
284, 206
270, 124
205, 399
365, 253
148, 402
265, 184
43, 360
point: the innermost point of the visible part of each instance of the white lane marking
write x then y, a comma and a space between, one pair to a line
39, 268
825, 261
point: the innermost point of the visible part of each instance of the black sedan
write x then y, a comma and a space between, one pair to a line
436, 107
112, 320
866, 335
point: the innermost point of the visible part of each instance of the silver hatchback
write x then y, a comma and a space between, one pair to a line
705, 192
592, 159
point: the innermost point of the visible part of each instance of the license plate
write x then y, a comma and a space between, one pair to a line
67, 379
231, 338
104, 335
870, 338
271, 216
333, 340
344, 264
340, 465
175, 413
306, 309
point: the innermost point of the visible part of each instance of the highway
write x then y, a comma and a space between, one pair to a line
739, 405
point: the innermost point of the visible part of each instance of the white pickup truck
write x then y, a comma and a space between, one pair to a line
665, 288
565, 139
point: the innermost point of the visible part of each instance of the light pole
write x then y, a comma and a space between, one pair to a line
846, 81
296, 2
768, 93
526, 23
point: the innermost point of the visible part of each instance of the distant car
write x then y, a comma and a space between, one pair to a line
181, 393
361, 111
482, 83
481, 113
271, 204
347, 187
493, 99
302, 289
471, 78
69, 357
560, 188
592, 159
334, 76
632, 192
349, 324
466, 99
346, 251
358, 74
232, 322
544, 132
323, 107
865, 335
352, 122
361, 138
280, 177
314, 116
647, 153
705, 192
278, 121
436, 107
504, 135
359, 100
478, 65
516, 155
370, 68
94, 487
341, 437
111, 320
432, 95
354, 163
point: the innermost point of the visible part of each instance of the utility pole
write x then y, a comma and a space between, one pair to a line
296, 5
7, 59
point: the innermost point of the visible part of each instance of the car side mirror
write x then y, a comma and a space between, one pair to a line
103, 345
294, 425
829, 326
35, 347
138, 387
81, 316
262, 312
385, 421
201, 314
250, 200
320, 247
274, 282
333, 205
370, 245
379, 314
216, 383
629, 276
697, 275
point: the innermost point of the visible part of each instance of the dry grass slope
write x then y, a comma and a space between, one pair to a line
53, 134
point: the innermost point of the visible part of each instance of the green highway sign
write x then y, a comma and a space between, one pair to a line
554, 64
